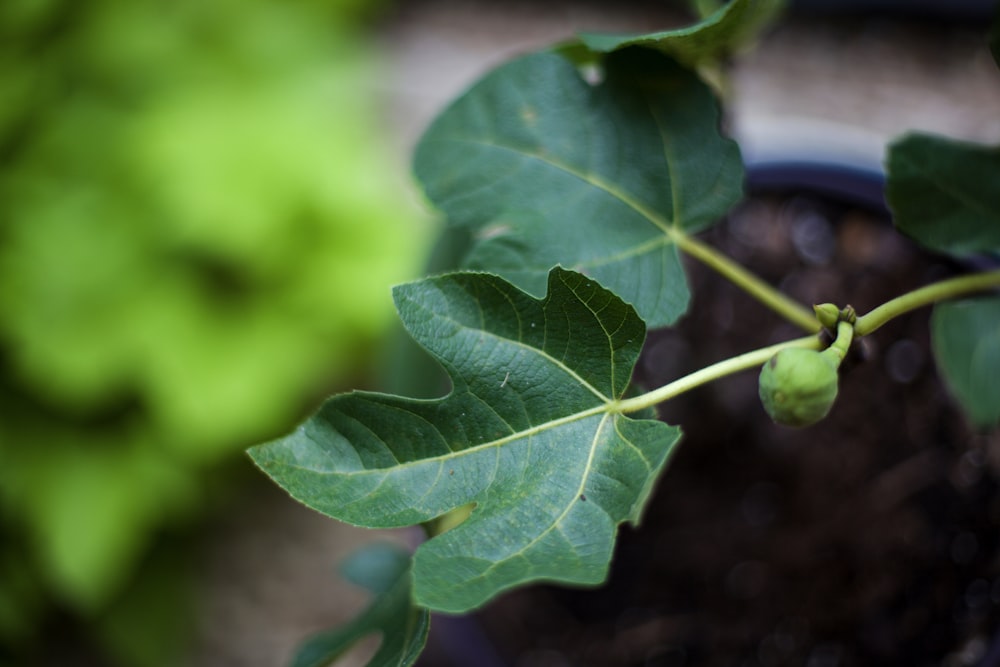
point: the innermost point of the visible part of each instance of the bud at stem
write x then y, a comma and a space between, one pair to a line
828, 315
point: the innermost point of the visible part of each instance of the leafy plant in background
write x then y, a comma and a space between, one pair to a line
185, 188
574, 179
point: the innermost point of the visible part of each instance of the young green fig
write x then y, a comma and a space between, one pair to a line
798, 386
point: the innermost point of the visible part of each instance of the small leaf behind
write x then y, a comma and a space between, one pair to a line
384, 570
545, 168
945, 193
529, 434
966, 336
726, 30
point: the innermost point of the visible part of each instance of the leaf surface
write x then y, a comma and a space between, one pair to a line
725, 30
966, 338
384, 570
529, 434
545, 168
945, 193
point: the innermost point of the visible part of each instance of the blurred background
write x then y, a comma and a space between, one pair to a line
201, 216
202, 208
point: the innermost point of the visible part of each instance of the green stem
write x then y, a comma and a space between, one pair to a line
448, 520
714, 372
925, 296
838, 349
791, 310
846, 331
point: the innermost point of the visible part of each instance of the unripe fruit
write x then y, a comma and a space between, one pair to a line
798, 386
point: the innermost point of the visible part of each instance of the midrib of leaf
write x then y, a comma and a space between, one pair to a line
647, 246
606, 406
672, 231
499, 442
675, 191
591, 179
496, 444
584, 476
524, 433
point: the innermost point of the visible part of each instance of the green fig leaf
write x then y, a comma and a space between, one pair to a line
945, 193
530, 434
966, 338
384, 570
545, 168
725, 30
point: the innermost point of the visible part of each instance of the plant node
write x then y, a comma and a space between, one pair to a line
829, 315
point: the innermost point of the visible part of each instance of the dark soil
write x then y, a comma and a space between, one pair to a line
868, 539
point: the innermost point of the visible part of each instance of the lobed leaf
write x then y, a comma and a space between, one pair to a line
946, 193
529, 434
727, 29
544, 168
966, 338
384, 570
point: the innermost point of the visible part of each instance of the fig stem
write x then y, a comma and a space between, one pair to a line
847, 328
839, 347
925, 296
785, 306
742, 362
788, 308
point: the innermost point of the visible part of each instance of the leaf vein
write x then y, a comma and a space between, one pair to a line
556, 523
587, 177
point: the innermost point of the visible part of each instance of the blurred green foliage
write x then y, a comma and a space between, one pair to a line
199, 224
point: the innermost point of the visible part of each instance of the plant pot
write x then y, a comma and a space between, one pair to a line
869, 538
